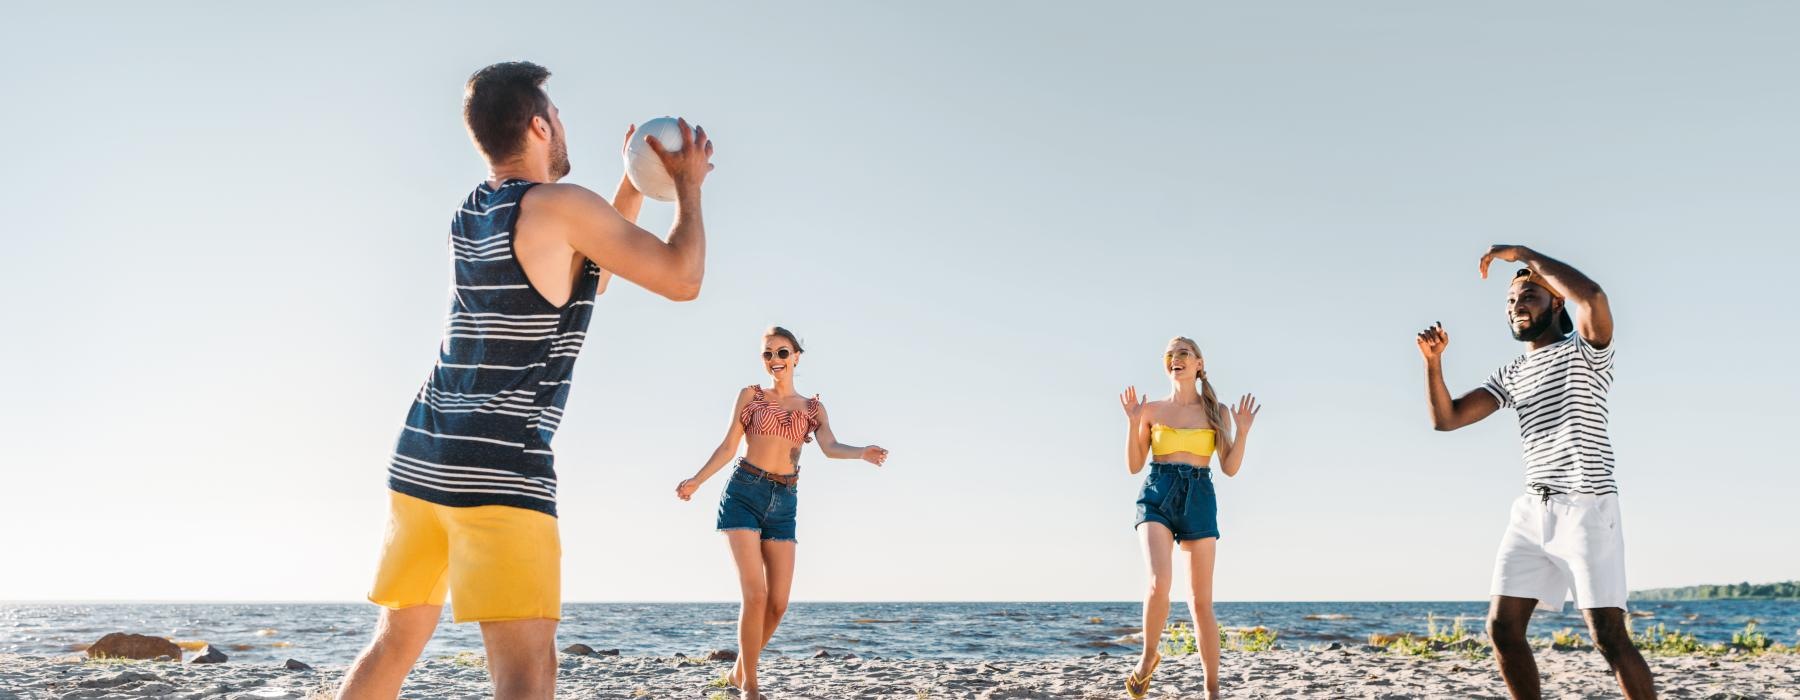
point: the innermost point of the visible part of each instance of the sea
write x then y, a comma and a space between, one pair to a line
332, 633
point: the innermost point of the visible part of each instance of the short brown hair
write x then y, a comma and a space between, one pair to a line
783, 333
498, 104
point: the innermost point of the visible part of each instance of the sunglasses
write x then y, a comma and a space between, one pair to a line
1177, 353
783, 353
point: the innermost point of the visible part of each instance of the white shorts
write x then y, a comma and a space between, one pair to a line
1569, 544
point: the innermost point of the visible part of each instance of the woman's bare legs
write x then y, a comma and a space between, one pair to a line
746, 550
1159, 545
1200, 555
778, 566
778, 561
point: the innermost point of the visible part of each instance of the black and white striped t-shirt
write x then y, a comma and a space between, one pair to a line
1559, 391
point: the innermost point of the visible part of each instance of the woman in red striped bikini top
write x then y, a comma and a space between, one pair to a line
766, 416
757, 507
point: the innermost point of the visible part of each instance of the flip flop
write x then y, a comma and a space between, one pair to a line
1139, 688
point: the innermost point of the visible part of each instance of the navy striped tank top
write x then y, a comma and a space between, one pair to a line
479, 430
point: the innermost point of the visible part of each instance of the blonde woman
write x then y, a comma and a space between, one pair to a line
1176, 507
757, 508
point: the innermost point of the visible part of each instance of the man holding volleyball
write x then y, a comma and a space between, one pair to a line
472, 489
1563, 535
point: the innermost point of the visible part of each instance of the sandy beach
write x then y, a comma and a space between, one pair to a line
1346, 673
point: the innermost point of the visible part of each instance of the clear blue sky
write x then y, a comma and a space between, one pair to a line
226, 278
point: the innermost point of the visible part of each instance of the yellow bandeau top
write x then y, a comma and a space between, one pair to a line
1166, 440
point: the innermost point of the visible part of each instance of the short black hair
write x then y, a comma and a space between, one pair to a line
498, 104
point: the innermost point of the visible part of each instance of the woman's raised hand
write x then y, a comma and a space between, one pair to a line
1132, 403
1245, 412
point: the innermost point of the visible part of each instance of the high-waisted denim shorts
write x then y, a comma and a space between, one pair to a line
1182, 499
751, 502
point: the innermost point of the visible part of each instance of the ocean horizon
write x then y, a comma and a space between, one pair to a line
331, 633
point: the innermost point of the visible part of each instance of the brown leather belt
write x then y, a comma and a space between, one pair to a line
784, 479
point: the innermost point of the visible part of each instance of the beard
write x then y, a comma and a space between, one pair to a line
559, 157
1539, 325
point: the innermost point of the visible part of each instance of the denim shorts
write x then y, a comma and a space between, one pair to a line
751, 502
1182, 499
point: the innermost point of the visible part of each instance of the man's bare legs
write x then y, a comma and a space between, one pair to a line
521, 655
1508, 618
1607, 625
400, 636
521, 658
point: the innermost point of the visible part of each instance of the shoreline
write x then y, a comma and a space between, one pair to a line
325, 634
1348, 672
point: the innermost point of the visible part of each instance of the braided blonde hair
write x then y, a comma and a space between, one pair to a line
1209, 399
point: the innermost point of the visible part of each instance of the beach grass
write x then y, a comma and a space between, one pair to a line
1438, 638
1249, 639
466, 659
112, 661
1750, 640
1454, 635
1180, 640
1659, 640
1566, 639
1409, 645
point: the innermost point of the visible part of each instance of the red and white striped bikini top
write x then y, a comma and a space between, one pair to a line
764, 417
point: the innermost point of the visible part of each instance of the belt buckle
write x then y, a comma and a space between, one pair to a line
783, 479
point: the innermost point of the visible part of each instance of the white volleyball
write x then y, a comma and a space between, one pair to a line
641, 164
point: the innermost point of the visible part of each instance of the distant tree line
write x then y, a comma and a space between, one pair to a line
1724, 591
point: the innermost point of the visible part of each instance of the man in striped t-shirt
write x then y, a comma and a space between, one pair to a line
1563, 535
471, 482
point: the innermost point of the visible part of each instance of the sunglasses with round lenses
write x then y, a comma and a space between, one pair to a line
783, 353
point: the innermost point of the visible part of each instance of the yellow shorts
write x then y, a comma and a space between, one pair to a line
496, 562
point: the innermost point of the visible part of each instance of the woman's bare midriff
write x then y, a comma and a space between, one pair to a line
772, 454
1187, 458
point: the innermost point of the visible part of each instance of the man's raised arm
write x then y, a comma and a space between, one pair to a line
1595, 322
673, 269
